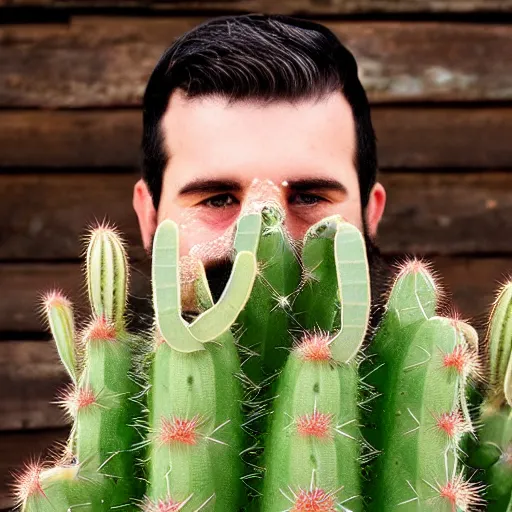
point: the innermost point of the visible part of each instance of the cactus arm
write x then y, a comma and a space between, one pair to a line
248, 231
354, 289
107, 275
413, 297
218, 319
318, 290
60, 320
166, 290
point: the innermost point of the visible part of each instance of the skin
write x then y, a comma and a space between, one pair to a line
256, 152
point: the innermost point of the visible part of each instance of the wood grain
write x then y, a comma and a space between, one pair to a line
101, 61
427, 213
307, 7
413, 138
31, 376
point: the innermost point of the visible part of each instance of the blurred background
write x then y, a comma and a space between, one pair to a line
72, 74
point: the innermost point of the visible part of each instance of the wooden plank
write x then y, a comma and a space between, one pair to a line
31, 377
26, 282
70, 139
16, 448
97, 61
308, 7
411, 138
57, 210
432, 213
449, 213
31, 373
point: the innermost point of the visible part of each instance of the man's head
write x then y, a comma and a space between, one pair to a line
253, 107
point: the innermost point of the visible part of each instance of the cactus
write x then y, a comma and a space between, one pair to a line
312, 456
192, 396
493, 453
278, 397
417, 367
96, 469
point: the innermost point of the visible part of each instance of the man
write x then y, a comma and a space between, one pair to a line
252, 107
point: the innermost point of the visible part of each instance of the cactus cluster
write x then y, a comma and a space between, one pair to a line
279, 397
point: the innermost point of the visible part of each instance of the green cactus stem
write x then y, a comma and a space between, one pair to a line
107, 274
312, 455
193, 390
493, 452
98, 471
267, 316
417, 367
59, 315
64, 487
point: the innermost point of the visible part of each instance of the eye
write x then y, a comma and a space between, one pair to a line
308, 199
219, 201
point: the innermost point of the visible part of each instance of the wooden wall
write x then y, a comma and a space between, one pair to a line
72, 73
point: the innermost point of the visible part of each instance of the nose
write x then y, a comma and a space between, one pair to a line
260, 193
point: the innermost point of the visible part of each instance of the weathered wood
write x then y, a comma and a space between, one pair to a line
407, 138
17, 448
330, 7
434, 213
57, 210
97, 61
26, 283
70, 139
31, 375
447, 213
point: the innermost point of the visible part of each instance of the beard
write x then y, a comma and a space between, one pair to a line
219, 270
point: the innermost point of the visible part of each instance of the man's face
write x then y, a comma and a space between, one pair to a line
225, 158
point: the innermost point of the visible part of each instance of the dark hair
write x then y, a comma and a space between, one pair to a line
262, 57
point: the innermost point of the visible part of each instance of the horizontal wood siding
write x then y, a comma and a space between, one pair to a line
301, 7
100, 61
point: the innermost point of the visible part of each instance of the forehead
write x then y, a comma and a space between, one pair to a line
206, 135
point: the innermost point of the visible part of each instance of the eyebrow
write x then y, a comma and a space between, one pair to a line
201, 186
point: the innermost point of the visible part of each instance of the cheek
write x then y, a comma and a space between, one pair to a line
206, 233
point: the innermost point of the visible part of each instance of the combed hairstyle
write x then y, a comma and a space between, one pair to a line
267, 58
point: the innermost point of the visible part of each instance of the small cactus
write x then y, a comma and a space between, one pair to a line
493, 452
97, 468
417, 367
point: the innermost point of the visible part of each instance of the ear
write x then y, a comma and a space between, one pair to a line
146, 213
375, 208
